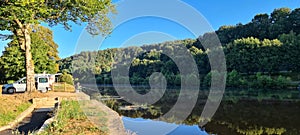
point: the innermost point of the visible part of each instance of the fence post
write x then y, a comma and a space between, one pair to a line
65, 86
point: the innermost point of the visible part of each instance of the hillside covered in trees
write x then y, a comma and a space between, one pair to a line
262, 53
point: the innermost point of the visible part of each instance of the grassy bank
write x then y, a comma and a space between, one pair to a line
71, 120
11, 107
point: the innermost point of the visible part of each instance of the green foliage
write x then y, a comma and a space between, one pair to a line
262, 81
112, 103
18, 16
10, 81
263, 26
262, 131
70, 112
12, 62
7, 116
234, 79
44, 51
267, 45
291, 59
57, 12
67, 78
249, 55
207, 80
282, 82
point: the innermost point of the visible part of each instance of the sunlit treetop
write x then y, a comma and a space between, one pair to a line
16, 13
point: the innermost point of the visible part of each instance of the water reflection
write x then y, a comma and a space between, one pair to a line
150, 127
240, 112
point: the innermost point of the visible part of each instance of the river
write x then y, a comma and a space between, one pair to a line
242, 111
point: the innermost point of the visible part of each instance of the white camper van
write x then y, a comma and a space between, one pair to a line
43, 83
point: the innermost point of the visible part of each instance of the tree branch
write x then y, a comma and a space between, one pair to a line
4, 18
19, 23
58, 14
4, 36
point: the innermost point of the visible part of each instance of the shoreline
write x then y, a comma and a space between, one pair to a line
114, 120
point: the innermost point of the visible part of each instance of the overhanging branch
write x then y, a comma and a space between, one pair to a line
5, 36
4, 18
58, 14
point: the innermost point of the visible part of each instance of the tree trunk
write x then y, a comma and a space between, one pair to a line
30, 83
20, 38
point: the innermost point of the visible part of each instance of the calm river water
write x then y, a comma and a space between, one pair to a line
240, 112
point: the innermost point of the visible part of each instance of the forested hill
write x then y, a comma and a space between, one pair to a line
269, 44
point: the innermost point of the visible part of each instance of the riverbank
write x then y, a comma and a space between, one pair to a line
11, 108
108, 122
90, 116
113, 119
70, 119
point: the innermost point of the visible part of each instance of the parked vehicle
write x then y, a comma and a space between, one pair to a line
43, 83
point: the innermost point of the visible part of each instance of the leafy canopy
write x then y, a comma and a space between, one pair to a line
44, 51
95, 12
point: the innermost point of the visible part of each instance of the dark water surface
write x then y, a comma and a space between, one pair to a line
240, 112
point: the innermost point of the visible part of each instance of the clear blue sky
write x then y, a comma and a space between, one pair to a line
217, 13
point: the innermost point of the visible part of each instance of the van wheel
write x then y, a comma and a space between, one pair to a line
11, 90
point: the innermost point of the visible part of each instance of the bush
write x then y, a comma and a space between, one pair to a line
207, 80
264, 81
67, 78
10, 81
282, 82
217, 76
234, 79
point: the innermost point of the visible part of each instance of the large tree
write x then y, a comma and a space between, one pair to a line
12, 62
44, 54
44, 50
280, 22
18, 16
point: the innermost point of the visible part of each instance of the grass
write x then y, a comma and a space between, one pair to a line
11, 107
70, 120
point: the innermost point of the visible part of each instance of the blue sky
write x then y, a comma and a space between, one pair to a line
146, 30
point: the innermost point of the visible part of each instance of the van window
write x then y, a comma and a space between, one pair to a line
23, 81
43, 80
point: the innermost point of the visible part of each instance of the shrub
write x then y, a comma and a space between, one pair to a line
217, 76
264, 81
67, 78
282, 82
233, 79
207, 80
10, 81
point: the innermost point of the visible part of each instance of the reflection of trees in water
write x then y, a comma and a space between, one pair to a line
241, 112
252, 117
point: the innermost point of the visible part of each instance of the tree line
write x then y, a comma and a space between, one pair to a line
258, 50
262, 48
